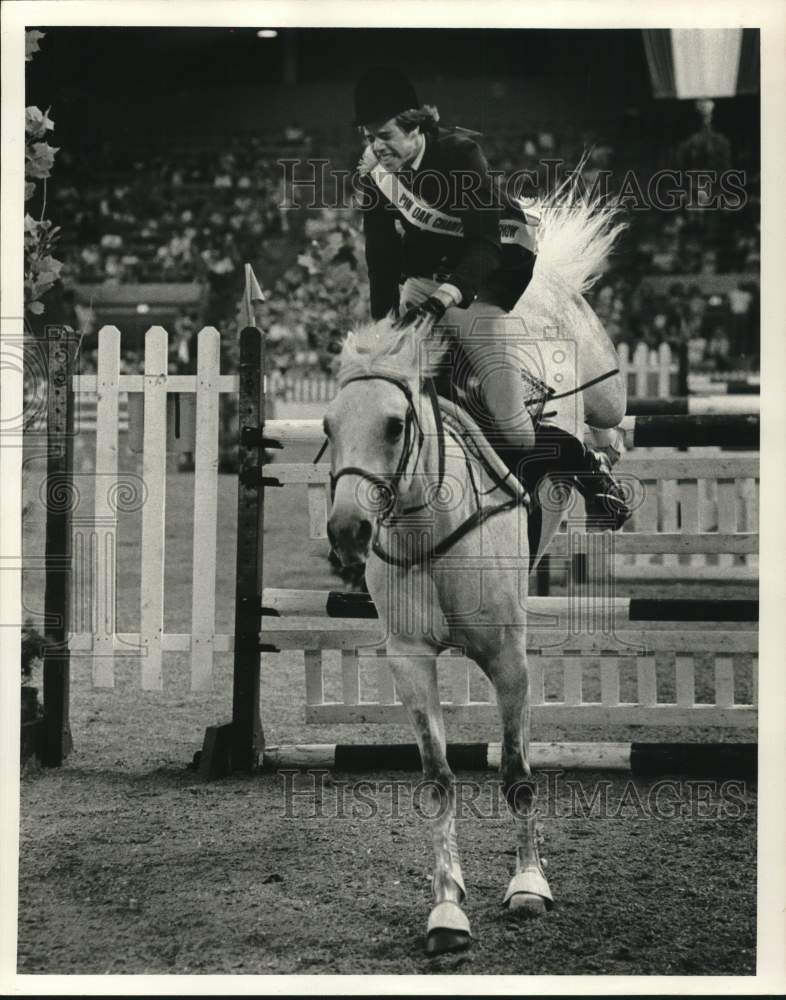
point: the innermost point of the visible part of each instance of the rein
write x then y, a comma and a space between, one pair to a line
390, 484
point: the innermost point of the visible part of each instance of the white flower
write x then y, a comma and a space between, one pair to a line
37, 122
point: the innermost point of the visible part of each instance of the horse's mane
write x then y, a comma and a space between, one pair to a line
379, 348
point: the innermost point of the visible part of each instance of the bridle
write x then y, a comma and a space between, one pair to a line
389, 485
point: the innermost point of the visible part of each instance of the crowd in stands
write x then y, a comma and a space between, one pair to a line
721, 330
199, 217
175, 218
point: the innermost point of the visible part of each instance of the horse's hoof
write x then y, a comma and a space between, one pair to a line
440, 942
447, 930
528, 894
527, 905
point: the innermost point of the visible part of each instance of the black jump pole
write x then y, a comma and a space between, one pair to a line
56, 742
247, 734
237, 745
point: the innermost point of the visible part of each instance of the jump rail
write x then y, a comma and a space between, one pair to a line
739, 430
731, 760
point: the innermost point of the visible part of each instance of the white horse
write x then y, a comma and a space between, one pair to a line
444, 533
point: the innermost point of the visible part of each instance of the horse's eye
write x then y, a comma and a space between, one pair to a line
394, 428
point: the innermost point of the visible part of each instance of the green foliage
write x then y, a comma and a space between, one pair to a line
33, 646
37, 123
31, 43
39, 158
42, 270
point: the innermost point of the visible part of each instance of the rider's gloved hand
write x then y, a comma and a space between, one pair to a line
433, 308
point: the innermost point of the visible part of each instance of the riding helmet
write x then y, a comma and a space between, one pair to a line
382, 93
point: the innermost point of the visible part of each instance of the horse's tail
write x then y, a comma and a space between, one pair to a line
576, 235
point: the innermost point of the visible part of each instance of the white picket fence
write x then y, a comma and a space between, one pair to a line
698, 507
99, 547
650, 373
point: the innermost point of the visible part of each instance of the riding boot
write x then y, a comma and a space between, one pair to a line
604, 498
564, 458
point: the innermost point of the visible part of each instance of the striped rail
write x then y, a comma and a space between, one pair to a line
708, 429
729, 760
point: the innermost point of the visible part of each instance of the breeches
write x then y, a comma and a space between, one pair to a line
501, 353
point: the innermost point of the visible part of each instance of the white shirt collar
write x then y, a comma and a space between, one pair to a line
415, 165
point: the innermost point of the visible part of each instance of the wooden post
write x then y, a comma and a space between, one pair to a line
154, 468
247, 741
237, 745
203, 596
56, 742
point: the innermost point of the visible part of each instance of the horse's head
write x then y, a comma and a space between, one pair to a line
377, 428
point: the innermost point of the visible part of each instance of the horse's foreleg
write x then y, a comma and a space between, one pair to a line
528, 891
416, 683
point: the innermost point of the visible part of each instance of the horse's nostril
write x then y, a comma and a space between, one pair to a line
331, 534
364, 532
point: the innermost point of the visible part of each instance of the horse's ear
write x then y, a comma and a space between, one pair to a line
348, 344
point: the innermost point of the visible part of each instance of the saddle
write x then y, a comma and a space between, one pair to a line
462, 406
463, 426
465, 401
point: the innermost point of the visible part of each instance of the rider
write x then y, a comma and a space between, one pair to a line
443, 183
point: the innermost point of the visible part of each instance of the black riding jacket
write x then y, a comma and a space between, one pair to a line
454, 178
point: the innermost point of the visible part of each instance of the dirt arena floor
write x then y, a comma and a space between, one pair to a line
131, 864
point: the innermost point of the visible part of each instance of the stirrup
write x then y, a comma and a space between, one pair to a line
606, 512
604, 499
